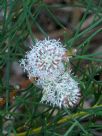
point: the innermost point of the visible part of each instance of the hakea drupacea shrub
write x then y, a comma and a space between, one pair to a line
46, 60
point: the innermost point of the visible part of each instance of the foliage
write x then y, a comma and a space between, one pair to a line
27, 115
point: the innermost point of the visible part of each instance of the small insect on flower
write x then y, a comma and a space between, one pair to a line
45, 59
62, 92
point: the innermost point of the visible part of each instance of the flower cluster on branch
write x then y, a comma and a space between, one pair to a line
46, 60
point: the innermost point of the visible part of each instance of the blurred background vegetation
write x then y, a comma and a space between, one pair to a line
78, 24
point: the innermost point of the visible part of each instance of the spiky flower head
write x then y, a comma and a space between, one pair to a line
45, 59
62, 92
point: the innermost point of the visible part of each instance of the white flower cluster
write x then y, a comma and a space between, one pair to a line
46, 61
63, 91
